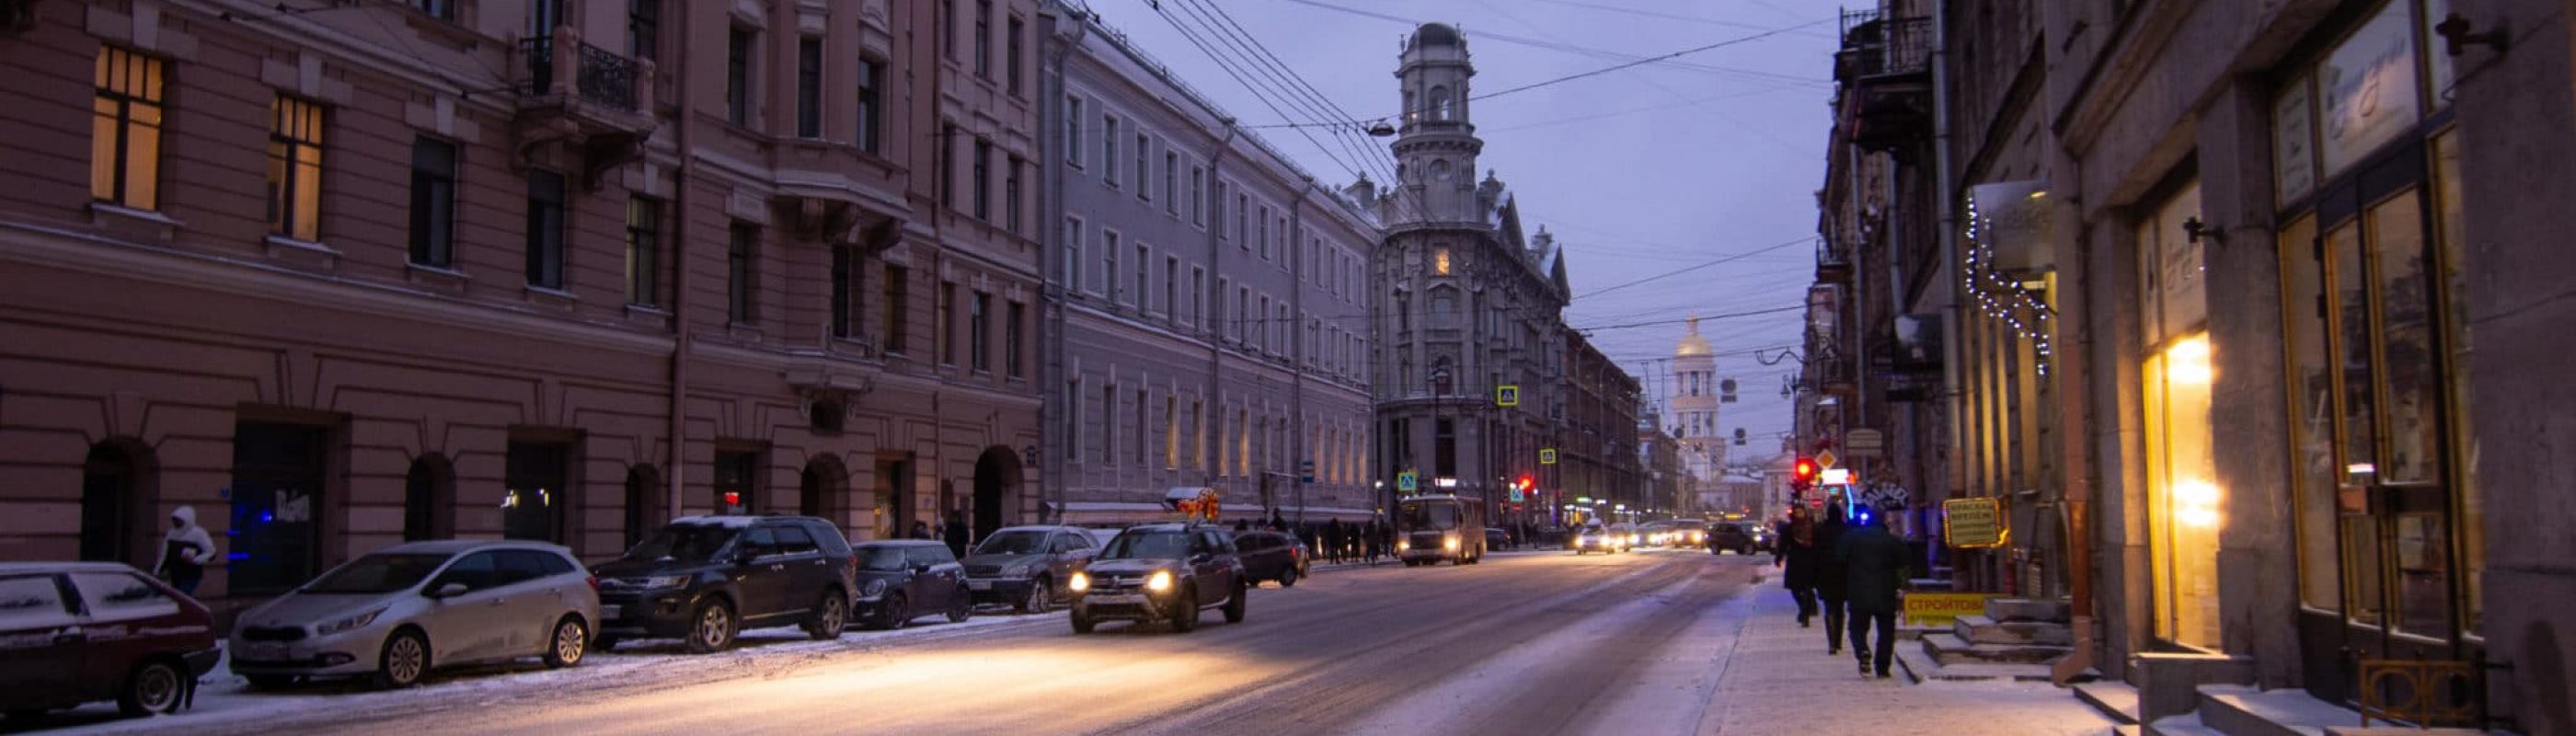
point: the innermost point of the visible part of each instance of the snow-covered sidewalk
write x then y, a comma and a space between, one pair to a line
1780, 681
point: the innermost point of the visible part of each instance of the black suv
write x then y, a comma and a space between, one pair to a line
1744, 537
1161, 572
706, 578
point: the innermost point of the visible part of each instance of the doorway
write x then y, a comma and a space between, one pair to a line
997, 484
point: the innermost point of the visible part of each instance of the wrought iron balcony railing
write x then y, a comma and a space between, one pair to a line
1876, 45
597, 75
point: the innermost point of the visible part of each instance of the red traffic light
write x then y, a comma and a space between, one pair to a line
1805, 469
1527, 482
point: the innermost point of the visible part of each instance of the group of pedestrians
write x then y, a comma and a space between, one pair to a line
1851, 566
1339, 541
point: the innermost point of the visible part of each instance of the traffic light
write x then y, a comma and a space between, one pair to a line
1805, 470
1527, 483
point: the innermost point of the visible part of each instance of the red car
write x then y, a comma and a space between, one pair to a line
76, 632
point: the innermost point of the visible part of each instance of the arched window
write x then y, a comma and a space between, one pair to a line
1439, 104
1444, 308
112, 489
429, 499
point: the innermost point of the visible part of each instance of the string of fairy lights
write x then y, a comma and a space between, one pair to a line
2000, 298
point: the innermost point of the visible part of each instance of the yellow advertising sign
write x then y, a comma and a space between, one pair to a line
1943, 609
1973, 523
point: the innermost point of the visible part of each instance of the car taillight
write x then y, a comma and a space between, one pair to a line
594, 582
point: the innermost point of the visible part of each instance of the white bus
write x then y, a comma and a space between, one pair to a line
1429, 529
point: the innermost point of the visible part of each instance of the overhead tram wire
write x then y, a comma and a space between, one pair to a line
1588, 330
1300, 92
1688, 269
1585, 50
1230, 71
1642, 62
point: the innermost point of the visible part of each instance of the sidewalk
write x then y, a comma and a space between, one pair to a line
1780, 681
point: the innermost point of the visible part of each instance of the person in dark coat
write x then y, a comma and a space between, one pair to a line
1874, 567
1333, 541
1241, 526
921, 530
957, 536
1831, 593
1799, 559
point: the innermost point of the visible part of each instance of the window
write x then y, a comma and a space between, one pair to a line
121, 596
738, 76
440, 9
871, 105
1073, 130
1243, 442
742, 280
1109, 150
1142, 299
982, 179
1281, 329
1264, 235
545, 232
1108, 424
979, 332
984, 38
1171, 287
1440, 105
429, 497
1012, 61
1109, 265
1014, 320
2181, 467
1138, 447
944, 340
639, 502
1198, 295
1171, 432
295, 168
643, 27
1242, 205
1011, 194
643, 251
737, 476
433, 202
1198, 195
1243, 313
1171, 182
898, 306
536, 491
1216, 320
1073, 233
1144, 176
843, 307
125, 130
1073, 421
809, 87
1198, 435
948, 29
1253, 324
946, 174
1444, 448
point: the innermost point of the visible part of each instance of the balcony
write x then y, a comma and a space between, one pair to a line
1833, 265
597, 102
1885, 67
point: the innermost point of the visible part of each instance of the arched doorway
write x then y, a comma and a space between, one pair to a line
429, 499
997, 489
820, 489
115, 487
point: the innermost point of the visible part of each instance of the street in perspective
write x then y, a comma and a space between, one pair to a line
1617, 367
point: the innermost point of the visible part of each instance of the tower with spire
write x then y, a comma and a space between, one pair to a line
1693, 416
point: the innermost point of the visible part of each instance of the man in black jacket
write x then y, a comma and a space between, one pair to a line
1874, 567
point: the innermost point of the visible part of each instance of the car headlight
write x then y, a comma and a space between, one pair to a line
1402, 545
875, 588
1078, 583
1449, 543
1161, 581
663, 581
348, 623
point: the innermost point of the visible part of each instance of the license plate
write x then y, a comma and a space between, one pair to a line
979, 585
264, 651
607, 612
1116, 599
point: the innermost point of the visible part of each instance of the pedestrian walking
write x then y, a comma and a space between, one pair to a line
1368, 542
1874, 567
1832, 591
1332, 541
1799, 560
957, 536
185, 550
920, 529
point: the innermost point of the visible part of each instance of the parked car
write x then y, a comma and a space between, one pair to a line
75, 632
1497, 538
706, 579
1743, 537
1596, 538
1026, 566
1269, 555
396, 613
902, 579
1161, 572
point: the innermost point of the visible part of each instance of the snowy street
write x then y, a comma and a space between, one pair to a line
1525, 643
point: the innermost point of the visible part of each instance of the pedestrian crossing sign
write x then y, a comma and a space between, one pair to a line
1507, 395
1547, 456
1408, 481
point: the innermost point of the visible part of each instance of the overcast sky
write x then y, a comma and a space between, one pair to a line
1639, 172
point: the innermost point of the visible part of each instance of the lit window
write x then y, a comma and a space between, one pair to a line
295, 168
125, 130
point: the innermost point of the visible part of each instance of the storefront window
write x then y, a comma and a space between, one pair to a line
2311, 383
275, 537
2184, 499
537, 491
2367, 88
2452, 231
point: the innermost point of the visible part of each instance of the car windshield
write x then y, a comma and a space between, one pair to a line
1148, 546
377, 573
1692, 526
683, 543
1013, 543
1430, 516
882, 558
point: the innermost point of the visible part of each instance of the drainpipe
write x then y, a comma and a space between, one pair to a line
1297, 341
1945, 188
1054, 292
681, 333
1215, 259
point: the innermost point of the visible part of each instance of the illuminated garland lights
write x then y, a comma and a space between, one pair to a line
2002, 299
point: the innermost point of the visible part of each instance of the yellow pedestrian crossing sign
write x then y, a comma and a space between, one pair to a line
1508, 394
1547, 456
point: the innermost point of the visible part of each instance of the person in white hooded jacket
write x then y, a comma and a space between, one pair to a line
185, 550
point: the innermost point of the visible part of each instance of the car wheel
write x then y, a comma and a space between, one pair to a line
603, 643
1185, 614
1234, 605
1081, 624
270, 682
404, 659
895, 612
1040, 596
1288, 578
712, 627
570, 642
831, 615
961, 605
153, 687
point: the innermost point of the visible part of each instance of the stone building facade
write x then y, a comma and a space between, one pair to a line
522, 268
1207, 302
1695, 394
2239, 296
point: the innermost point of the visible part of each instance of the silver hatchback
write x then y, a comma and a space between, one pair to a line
396, 613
